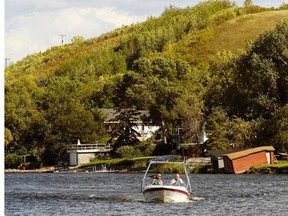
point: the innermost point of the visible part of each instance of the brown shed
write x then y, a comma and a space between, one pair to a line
241, 161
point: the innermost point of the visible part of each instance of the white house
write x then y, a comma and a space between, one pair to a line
145, 131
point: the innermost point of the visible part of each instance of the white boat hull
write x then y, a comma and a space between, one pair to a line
155, 193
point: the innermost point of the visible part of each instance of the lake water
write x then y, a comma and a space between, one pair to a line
119, 194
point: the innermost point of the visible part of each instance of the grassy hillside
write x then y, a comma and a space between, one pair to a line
235, 34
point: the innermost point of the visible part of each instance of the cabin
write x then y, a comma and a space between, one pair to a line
242, 161
145, 130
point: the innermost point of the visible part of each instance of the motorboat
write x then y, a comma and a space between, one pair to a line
165, 192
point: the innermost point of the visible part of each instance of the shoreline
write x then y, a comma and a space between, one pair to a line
42, 170
280, 168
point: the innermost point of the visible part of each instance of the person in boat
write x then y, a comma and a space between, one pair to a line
157, 180
177, 181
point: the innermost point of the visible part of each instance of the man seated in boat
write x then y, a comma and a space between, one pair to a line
177, 181
157, 180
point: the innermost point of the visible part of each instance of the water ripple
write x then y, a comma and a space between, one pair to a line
119, 194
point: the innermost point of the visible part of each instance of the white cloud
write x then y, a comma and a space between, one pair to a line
269, 3
35, 25
36, 31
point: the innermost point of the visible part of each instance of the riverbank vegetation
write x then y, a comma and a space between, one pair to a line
140, 164
131, 164
279, 168
214, 64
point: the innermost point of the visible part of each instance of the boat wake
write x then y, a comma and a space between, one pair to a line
197, 198
115, 198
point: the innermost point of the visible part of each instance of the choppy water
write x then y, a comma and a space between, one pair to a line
119, 194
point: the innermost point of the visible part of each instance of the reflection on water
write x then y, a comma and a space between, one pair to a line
120, 194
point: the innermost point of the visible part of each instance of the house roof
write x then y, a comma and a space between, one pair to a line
108, 113
243, 153
219, 153
111, 113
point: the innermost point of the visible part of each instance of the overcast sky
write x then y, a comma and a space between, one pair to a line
35, 25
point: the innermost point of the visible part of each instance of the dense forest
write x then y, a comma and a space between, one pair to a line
213, 64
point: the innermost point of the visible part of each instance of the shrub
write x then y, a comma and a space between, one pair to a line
126, 152
13, 161
202, 169
169, 168
254, 9
145, 149
227, 14
162, 149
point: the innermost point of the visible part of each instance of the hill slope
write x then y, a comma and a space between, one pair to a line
204, 43
235, 34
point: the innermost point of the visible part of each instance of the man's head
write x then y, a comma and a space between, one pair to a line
177, 176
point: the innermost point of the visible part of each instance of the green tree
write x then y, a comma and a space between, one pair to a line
248, 3
78, 39
239, 133
8, 136
275, 130
221, 91
127, 152
217, 125
68, 119
125, 133
261, 74
190, 117
123, 91
283, 6
22, 116
175, 94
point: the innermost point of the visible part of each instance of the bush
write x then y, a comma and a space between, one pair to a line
126, 152
13, 161
149, 150
254, 9
169, 168
145, 149
227, 14
281, 168
162, 149
202, 169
